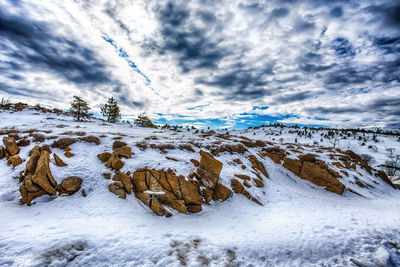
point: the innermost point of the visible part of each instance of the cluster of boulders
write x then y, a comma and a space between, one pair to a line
114, 160
164, 190
37, 179
10, 151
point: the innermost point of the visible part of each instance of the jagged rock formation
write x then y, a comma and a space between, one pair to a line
10, 146
37, 178
59, 161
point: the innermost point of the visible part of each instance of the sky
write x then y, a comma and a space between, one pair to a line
224, 64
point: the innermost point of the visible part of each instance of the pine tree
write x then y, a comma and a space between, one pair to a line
111, 110
144, 121
80, 109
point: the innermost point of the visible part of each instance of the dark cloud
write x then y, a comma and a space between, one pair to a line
279, 12
343, 47
34, 46
336, 12
387, 13
288, 98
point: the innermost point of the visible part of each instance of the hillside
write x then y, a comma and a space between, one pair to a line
258, 197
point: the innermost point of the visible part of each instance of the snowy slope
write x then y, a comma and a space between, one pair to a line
300, 223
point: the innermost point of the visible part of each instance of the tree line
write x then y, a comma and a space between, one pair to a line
80, 110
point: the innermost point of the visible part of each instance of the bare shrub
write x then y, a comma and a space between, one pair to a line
91, 139
118, 144
24, 142
38, 138
367, 158
63, 142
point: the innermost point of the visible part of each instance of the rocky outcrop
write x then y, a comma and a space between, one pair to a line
37, 178
69, 185
315, 171
257, 165
114, 160
239, 189
10, 146
208, 170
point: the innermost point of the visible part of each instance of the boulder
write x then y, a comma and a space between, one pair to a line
221, 192
236, 186
194, 208
10, 145
242, 176
59, 161
43, 176
118, 189
208, 178
125, 179
114, 162
293, 165
139, 181
14, 161
104, 156
196, 163
207, 160
68, 154
69, 185
32, 162
190, 192
2, 152
118, 144
124, 151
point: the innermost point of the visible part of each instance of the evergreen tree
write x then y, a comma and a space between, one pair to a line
111, 110
144, 121
80, 109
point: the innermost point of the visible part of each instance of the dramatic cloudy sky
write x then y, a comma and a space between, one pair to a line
222, 63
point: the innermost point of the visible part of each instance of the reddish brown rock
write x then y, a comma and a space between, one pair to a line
125, 179
107, 175
221, 192
139, 181
68, 154
194, 208
257, 165
114, 162
2, 152
381, 174
14, 161
292, 165
196, 163
258, 182
242, 176
69, 185
124, 151
104, 156
190, 192
43, 176
207, 160
27, 197
59, 161
308, 157
144, 197
118, 189
207, 194
246, 184
236, 186
10, 146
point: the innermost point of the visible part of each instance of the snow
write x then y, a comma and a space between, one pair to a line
300, 224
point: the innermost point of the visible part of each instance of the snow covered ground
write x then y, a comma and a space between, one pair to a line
300, 224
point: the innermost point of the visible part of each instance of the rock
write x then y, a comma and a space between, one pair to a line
124, 151
171, 200
104, 156
114, 162
156, 206
207, 160
246, 184
14, 161
196, 163
237, 161
293, 165
68, 154
236, 186
32, 162
208, 178
190, 192
27, 197
194, 208
242, 176
308, 157
207, 194
10, 145
67, 149
144, 197
125, 179
83, 192
59, 161
258, 182
257, 165
2, 152
320, 176
381, 174
107, 175
139, 181
43, 176
14, 135
118, 189
69, 185
221, 192
174, 182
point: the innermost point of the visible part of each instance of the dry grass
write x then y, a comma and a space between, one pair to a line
187, 147
142, 145
231, 148
47, 148
24, 142
153, 137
